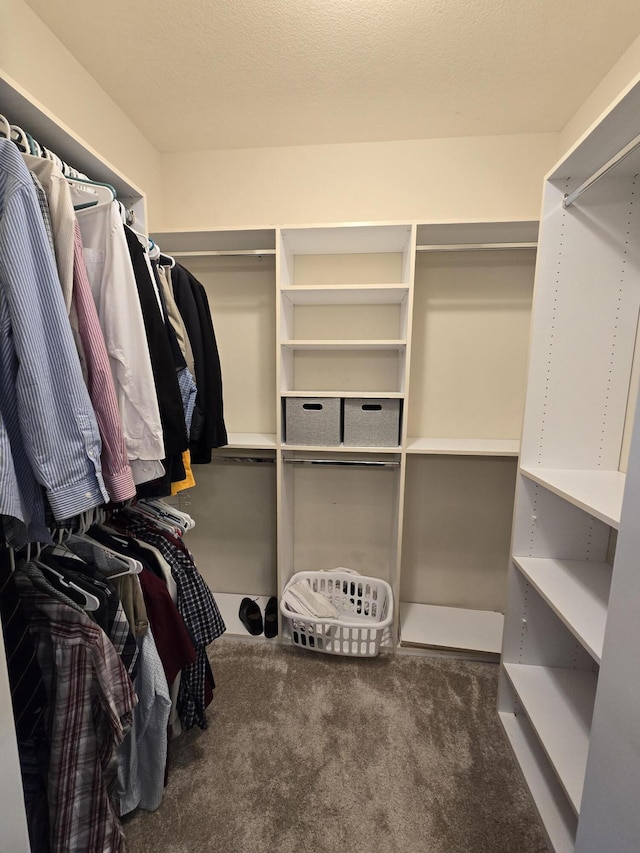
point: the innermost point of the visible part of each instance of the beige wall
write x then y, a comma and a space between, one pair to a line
475, 178
40, 64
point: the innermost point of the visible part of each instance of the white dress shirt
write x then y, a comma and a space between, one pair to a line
116, 296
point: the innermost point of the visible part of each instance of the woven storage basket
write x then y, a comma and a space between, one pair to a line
365, 606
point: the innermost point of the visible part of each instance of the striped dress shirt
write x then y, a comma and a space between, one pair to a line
63, 219
48, 423
115, 463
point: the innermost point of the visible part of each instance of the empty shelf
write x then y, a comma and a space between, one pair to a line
450, 628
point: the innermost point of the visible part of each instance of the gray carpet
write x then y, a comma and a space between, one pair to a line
309, 753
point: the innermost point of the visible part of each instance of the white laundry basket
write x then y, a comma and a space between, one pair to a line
365, 607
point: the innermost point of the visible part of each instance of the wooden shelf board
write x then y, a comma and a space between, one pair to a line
229, 605
559, 705
577, 591
597, 492
429, 625
347, 294
463, 446
550, 800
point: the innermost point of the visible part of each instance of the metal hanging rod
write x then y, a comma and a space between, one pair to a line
472, 247
27, 144
629, 148
222, 253
354, 463
243, 459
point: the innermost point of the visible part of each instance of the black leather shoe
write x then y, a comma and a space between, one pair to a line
271, 618
250, 616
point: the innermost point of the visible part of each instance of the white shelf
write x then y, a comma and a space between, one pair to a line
549, 798
396, 344
450, 628
251, 440
369, 395
559, 705
341, 448
577, 591
348, 238
597, 492
347, 294
229, 606
464, 446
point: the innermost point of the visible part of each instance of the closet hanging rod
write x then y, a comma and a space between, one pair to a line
468, 247
243, 459
354, 463
629, 148
220, 253
23, 140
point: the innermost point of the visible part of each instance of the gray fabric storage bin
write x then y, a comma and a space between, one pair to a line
312, 420
371, 422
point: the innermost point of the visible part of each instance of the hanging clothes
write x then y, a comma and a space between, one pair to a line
48, 431
116, 298
208, 428
29, 702
142, 756
199, 610
90, 705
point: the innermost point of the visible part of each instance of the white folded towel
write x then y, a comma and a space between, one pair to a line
303, 600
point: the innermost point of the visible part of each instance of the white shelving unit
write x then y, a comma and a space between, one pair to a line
338, 307
471, 312
344, 302
234, 500
569, 697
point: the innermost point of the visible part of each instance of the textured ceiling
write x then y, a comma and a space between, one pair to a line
205, 74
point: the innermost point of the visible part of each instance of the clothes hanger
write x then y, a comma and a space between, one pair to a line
165, 510
5, 127
130, 566
174, 529
34, 147
20, 138
90, 602
102, 193
167, 261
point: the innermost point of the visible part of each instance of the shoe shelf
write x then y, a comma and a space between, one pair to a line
229, 606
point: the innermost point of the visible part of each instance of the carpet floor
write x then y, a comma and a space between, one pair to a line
309, 753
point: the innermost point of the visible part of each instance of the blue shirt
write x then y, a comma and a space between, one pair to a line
48, 432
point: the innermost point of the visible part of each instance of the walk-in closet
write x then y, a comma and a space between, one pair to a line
401, 299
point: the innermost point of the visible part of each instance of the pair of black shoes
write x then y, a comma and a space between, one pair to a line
251, 617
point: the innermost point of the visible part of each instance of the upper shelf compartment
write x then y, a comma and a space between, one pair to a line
351, 255
461, 236
229, 242
20, 108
